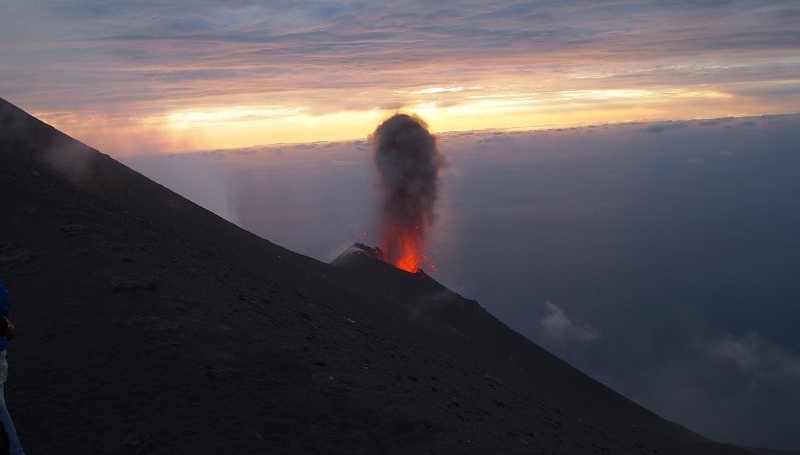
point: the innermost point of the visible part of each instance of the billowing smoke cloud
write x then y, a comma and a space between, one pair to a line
408, 164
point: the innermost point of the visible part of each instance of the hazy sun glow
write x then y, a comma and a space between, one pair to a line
242, 125
444, 109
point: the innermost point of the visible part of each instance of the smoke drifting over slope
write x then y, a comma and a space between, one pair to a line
408, 163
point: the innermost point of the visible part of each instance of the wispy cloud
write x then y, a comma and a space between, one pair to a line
557, 326
663, 126
753, 354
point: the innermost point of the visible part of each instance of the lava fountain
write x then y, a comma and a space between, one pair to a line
408, 165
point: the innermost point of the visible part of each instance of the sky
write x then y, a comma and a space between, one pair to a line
131, 77
658, 257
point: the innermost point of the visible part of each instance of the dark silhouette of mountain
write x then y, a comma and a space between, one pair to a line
148, 325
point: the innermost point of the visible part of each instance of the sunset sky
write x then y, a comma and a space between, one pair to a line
136, 77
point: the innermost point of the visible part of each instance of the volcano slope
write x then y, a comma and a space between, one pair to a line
148, 325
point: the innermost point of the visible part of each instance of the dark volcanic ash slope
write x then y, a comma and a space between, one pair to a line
148, 325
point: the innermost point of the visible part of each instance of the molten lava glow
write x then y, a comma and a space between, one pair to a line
406, 249
411, 254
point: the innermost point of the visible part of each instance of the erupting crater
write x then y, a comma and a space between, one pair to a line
408, 164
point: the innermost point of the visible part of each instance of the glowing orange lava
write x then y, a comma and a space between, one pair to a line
406, 249
410, 254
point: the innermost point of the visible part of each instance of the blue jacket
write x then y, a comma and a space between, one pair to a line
5, 310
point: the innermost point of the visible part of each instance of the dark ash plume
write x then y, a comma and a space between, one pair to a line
408, 163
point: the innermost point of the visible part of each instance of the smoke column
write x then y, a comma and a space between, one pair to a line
408, 164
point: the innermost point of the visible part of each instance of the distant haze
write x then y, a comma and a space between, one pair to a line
660, 258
